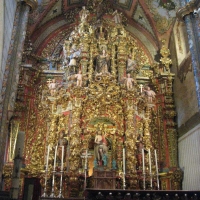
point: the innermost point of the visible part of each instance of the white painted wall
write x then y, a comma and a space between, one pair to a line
7, 15
189, 158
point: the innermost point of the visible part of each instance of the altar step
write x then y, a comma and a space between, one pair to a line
50, 198
103, 194
4, 195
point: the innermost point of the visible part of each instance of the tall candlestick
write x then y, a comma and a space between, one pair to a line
150, 174
124, 169
62, 158
47, 163
156, 161
143, 169
54, 166
149, 161
86, 155
143, 164
46, 172
124, 161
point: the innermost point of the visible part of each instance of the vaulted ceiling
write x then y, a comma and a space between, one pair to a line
147, 20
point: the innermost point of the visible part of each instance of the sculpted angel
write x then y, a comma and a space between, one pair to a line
150, 94
129, 82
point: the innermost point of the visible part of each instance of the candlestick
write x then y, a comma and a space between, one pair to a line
149, 161
124, 169
124, 161
46, 171
143, 169
62, 158
156, 161
143, 164
47, 163
150, 174
86, 155
54, 166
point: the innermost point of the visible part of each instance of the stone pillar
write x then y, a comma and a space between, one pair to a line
11, 75
192, 28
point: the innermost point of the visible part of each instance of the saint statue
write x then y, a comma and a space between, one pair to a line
74, 54
150, 94
84, 13
131, 64
100, 149
102, 64
117, 17
53, 87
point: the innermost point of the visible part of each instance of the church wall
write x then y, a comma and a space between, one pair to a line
189, 159
6, 21
186, 107
186, 99
184, 84
1, 36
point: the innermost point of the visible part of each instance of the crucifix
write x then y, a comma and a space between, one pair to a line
86, 155
49, 81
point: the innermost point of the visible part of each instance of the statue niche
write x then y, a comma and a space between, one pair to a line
100, 150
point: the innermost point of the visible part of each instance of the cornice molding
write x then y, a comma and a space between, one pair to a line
187, 9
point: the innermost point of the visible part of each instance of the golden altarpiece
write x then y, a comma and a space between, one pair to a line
103, 119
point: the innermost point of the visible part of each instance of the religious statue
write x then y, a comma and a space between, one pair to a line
84, 13
129, 81
150, 94
74, 35
117, 17
75, 53
79, 78
52, 87
102, 63
131, 64
100, 149
65, 60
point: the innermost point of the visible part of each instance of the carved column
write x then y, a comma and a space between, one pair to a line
11, 76
130, 143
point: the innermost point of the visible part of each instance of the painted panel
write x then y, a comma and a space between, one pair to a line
126, 4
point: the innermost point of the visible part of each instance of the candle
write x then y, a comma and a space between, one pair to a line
156, 161
62, 158
47, 164
86, 159
124, 160
149, 161
54, 166
143, 169
141, 86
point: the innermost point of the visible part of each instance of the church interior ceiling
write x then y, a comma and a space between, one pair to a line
148, 21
